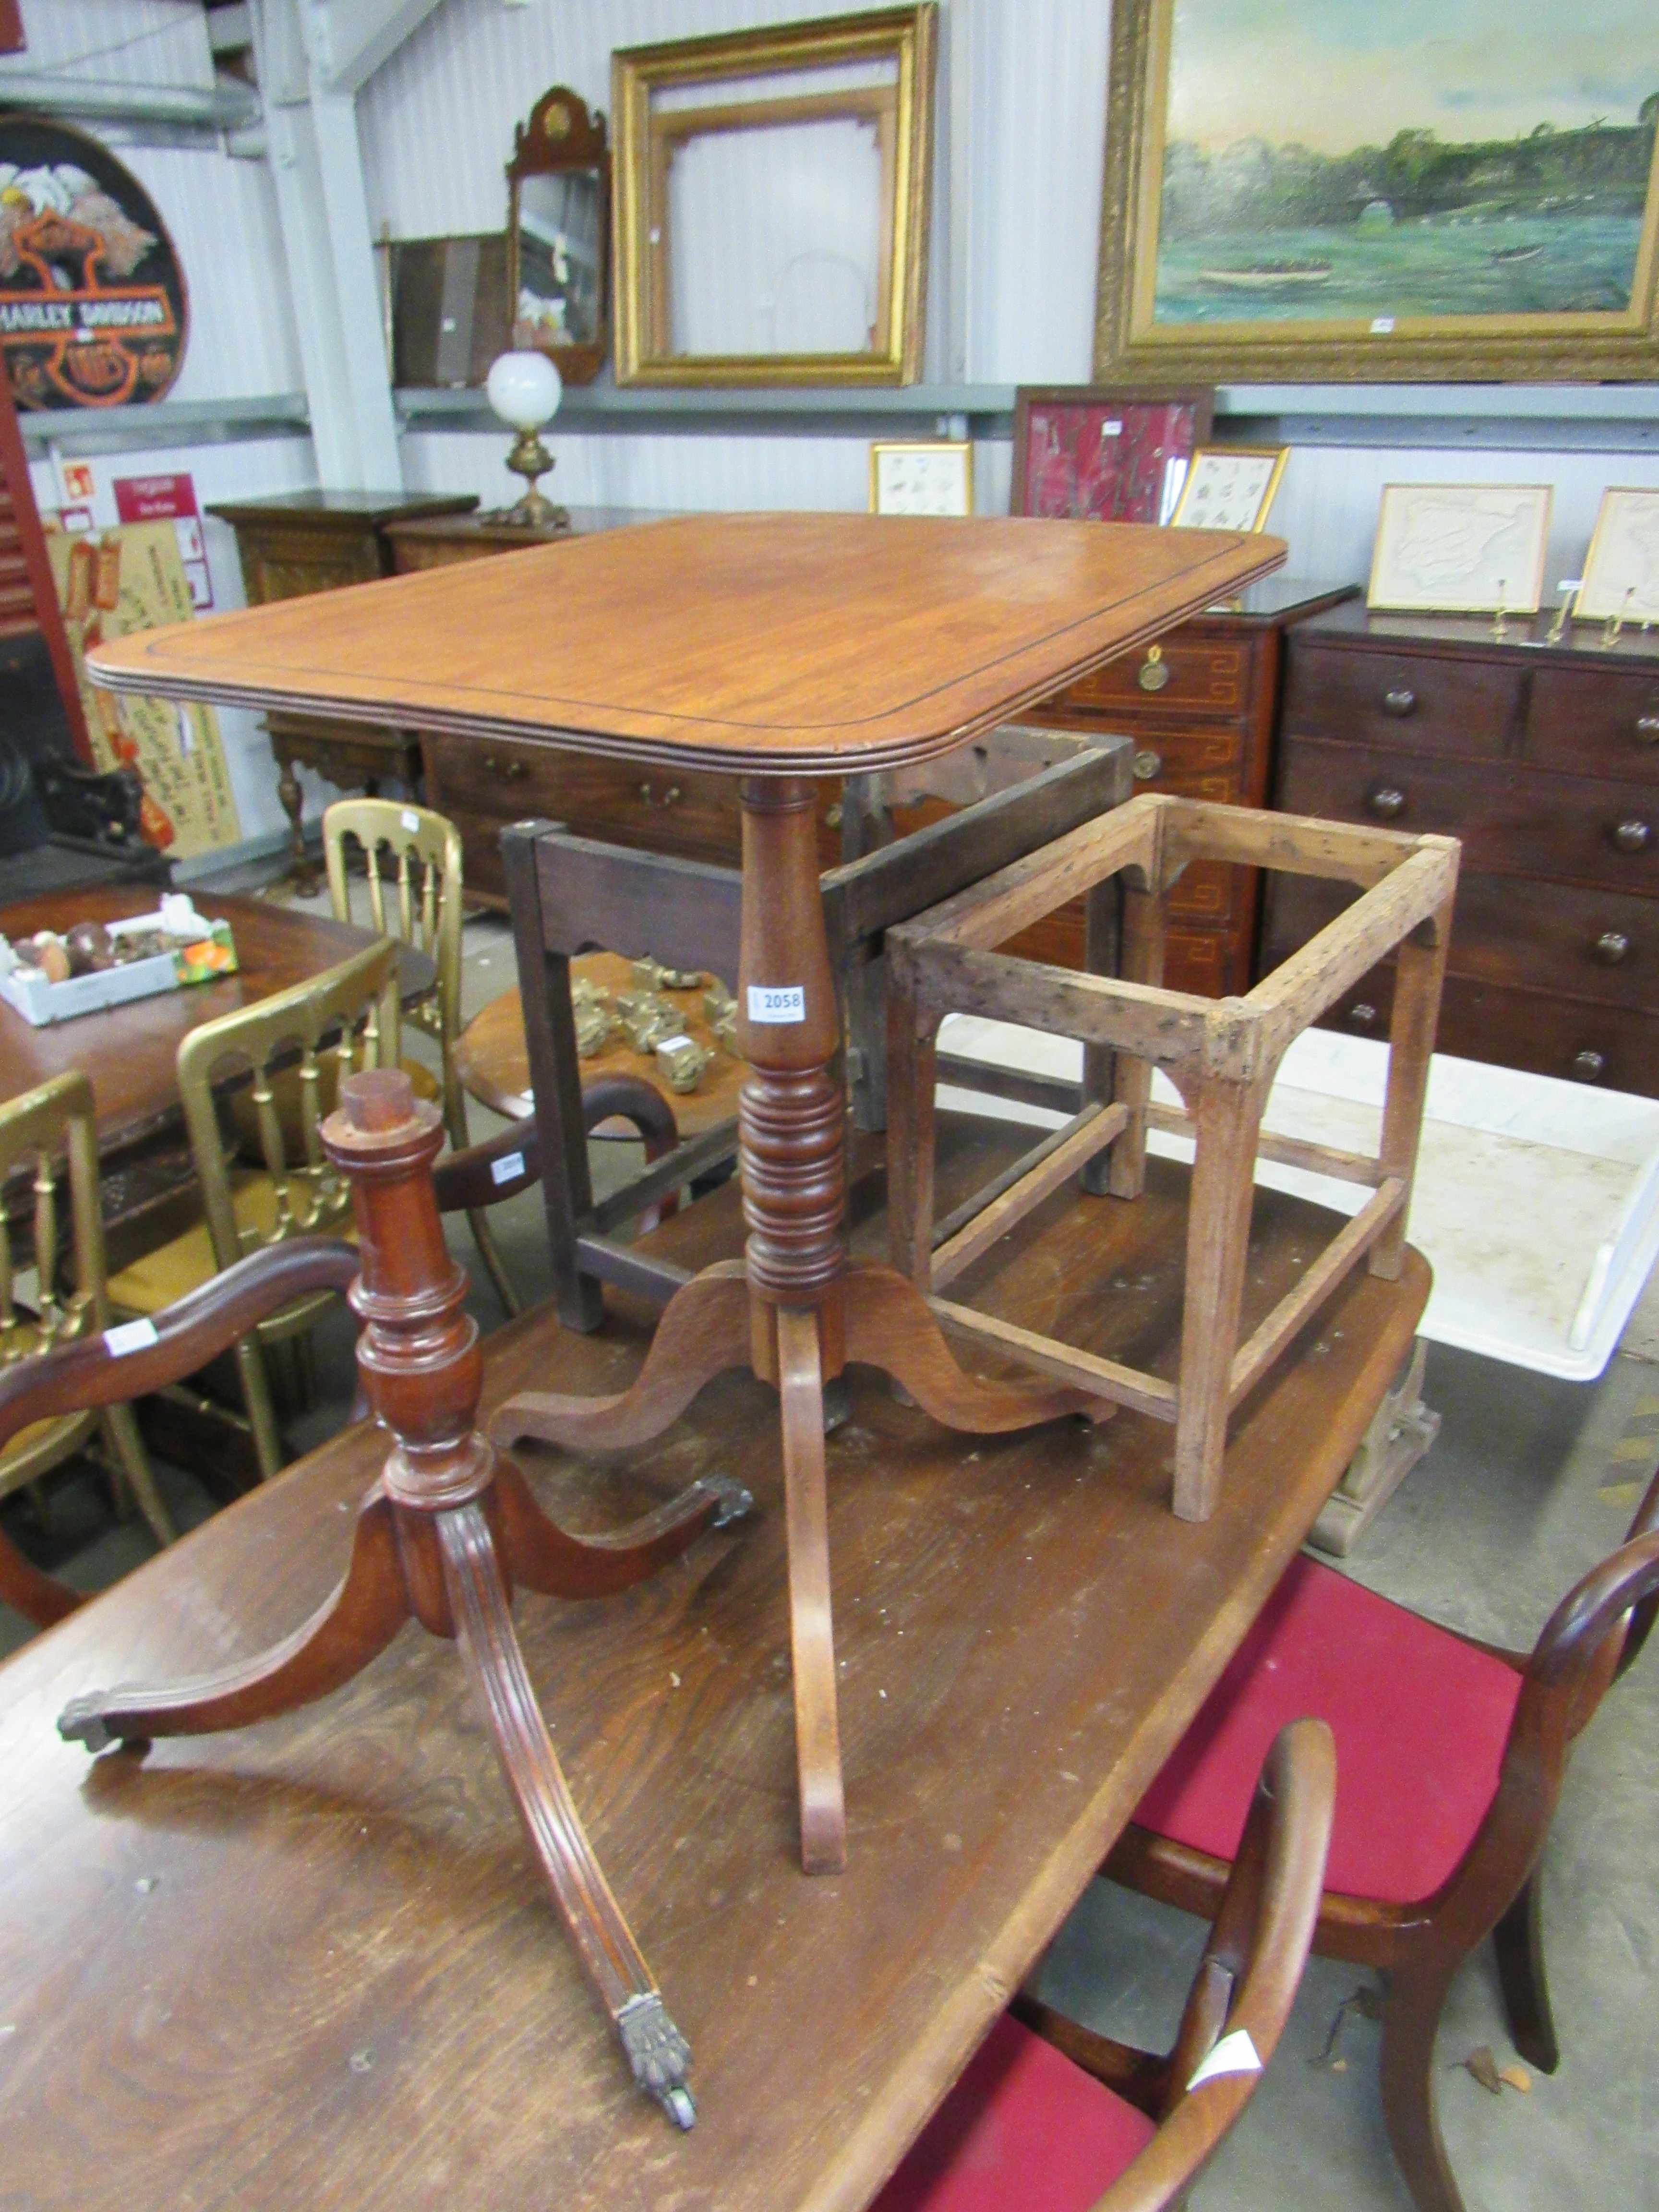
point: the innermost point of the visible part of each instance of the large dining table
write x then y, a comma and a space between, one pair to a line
310, 1962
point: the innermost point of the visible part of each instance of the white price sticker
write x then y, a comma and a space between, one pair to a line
410, 818
781, 1002
129, 1336
1234, 2054
1382, 325
508, 1166
667, 1044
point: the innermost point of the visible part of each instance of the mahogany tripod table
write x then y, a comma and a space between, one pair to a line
783, 648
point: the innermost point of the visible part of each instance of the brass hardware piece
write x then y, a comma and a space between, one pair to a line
681, 1061
1400, 703
1387, 800
1633, 836
1611, 947
1363, 1017
1589, 1066
1154, 672
1647, 729
1147, 764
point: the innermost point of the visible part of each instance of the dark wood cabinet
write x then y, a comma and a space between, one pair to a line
1201, 705
1544, 760
300, 542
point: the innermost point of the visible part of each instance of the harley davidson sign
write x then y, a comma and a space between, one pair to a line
93, 305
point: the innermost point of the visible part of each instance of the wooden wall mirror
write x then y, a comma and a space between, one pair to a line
772, 199
558, 243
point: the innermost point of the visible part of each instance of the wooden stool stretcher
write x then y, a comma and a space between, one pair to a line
443, 1537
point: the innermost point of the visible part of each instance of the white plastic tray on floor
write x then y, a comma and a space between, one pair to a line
1536, 1202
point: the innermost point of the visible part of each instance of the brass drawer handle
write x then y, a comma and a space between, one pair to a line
1589, 1066
1154, 672
671, 797
514, 771
1400, 703
833, 815
1147, 764
1611, 947
1647, 729
1387, 800
1363, 1017
1632, 836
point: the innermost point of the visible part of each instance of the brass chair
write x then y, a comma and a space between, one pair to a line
423, 851
321, 1030
53, 1125
1051, 2116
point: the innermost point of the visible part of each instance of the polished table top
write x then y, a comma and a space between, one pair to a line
311, 1964
784, 643
130, 1052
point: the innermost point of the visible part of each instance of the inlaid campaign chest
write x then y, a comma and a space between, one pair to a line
1201, 705
1544, 760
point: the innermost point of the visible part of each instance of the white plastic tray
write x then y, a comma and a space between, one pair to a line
1536, 1202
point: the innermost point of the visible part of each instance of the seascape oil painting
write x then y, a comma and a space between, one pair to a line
1328, 161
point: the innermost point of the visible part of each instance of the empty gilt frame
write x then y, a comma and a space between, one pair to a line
879, 75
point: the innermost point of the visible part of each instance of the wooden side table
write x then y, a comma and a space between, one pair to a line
781, 648
297, 542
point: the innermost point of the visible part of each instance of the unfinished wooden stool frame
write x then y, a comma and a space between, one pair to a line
1220, 1054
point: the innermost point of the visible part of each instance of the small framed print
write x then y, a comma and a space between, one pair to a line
936, 477
1460, 549
1621, 569
1229, 487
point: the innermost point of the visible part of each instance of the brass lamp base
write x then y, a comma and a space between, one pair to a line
530, 459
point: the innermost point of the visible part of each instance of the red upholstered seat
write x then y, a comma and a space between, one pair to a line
1022, 2128
1419, 1718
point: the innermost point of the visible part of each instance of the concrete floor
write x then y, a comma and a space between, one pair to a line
1532, 1480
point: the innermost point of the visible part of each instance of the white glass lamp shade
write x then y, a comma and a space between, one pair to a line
524, 389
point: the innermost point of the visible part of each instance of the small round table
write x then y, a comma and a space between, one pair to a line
493, 1062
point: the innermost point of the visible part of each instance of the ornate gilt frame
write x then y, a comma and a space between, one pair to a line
908, 36
1575, 348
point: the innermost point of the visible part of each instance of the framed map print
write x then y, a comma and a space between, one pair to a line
1230, 486
1460, 549
1621, 569
1330, 189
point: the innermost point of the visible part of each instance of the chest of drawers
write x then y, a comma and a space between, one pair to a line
1200, 706
1544, 761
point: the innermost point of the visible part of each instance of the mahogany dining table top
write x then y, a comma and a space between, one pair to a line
310, 1962
130, 1052
793, 644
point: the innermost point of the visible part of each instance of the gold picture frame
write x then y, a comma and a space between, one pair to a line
1221, 494
879, 71
1272, 255
931, 477
1460, 549
1621, 569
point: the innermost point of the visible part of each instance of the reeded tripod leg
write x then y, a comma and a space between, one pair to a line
811, 1632
657, 2052
340, 1638
889, 1327
704, 1330
542, 1556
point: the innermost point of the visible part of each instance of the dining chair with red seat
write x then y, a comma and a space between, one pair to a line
1050, 2117
1451, 1755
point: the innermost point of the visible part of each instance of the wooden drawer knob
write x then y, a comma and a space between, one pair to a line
1147, 764
1386, 801
1154, 672
1400, 703
1611, 947
1647, 729
1589, 1066
1362, 1017
1633, 836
